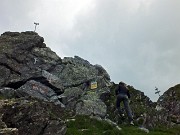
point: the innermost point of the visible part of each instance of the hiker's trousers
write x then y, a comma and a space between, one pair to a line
124, 98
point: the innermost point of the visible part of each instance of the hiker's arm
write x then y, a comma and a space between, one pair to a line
117, 91
128, 94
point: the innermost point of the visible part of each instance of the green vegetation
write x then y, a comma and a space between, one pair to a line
83, 125
126, 130
2, 97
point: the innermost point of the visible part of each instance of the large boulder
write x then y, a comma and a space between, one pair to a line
70, 97
76, 71
23, 56
32, 117
90, 107
39, 91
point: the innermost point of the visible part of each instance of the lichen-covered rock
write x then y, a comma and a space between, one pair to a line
169, 105
29, 68
46, 54
22, 56
70, 97
53, 80
77, 71
91, 107
102, 71
7, 93
91, 104
9, 131
33, 117
39, 91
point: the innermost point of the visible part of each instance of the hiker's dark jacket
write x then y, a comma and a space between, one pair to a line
122, 90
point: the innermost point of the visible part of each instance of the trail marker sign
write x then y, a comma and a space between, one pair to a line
93, 85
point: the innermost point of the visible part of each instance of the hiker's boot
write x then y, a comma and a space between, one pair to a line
119, 111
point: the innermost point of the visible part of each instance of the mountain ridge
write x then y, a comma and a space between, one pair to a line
32, 75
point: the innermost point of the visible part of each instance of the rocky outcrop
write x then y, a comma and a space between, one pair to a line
27, 116
19, 57
78, 76
30, 69
168, 105
37, 88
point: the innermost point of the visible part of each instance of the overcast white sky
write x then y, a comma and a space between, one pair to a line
136, 41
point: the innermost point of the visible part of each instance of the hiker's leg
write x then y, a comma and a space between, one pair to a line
118, 102
127, 108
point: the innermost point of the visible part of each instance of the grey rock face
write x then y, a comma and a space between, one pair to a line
169, 104
91, 104
30, 68
47, 55
32, 117
102, 71
7, 92
90, 107
23, 55
53, 80
77, 71
39, 91
71, 96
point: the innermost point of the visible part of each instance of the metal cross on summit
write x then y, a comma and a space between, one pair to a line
35, 25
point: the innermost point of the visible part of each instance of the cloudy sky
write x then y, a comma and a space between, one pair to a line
136, 41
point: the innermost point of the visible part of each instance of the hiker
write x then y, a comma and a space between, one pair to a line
123, 95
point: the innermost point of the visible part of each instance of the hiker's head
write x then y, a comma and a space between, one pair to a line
122, 83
